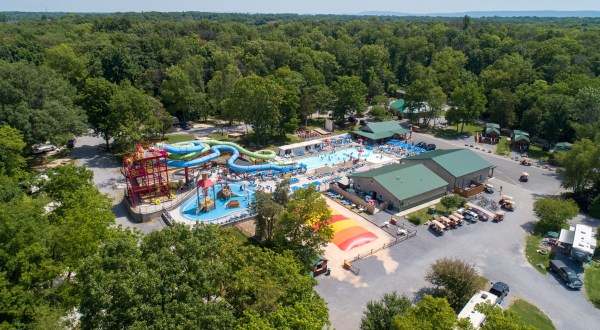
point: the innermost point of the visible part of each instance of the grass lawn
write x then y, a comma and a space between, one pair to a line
453, 133
502, 148
174, 138
237, 235
536, 152
421, 216
532, 244
223, 137
592, 284
531, 315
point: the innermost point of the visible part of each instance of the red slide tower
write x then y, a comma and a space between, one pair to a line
147, 176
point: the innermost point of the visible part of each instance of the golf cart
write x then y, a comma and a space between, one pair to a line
437, 227
524, 177
526, 162
505, 198
508, 205
488, 188
499, 216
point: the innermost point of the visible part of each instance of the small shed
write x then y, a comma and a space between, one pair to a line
318, 266
520, 140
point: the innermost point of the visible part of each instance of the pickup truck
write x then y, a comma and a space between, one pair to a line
567, 274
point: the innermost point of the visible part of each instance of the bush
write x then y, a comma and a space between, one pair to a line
453, 201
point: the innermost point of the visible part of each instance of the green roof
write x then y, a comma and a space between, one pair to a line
517, 132
404, 180
381, 130
521, 137
457, 162
492, 125
398, 104
490, 129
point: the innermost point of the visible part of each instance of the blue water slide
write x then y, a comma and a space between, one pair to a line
216, 152
188, 147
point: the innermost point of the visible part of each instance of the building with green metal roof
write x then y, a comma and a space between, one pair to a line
491, 130
381, 132
402, 186
459, 167
520, 140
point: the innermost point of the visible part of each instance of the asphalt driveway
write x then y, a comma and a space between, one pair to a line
497, 250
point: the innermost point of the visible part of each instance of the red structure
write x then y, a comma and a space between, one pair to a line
207, 204
147, 175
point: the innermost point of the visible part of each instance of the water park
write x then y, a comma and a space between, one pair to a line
214, 182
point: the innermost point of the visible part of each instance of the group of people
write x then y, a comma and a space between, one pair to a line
396, 151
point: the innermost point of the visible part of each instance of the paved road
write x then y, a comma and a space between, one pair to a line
88, 151
495, 248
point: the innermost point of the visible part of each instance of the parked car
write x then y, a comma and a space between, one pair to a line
471, 216
501, 290
430, 147
71, 143
421, 145
480, 214
185, 126
43, 148
567, 274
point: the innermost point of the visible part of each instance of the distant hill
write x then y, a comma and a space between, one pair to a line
533, 13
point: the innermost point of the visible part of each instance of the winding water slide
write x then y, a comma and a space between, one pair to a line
185, 154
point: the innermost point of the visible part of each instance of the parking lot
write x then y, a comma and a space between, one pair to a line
497, 250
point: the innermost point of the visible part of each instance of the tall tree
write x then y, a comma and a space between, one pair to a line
455, 280
429, 313
303, 226
221, 86
350, 95
178, 94
267, 211
39, 103
256, 100
468, 102
580, 166
12, 161
380, 314
449, 65
553, 213
95, 98
502, 108
62, 59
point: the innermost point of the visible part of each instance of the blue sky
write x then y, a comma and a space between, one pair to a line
296, 6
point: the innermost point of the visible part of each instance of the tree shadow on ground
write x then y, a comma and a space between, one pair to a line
423, 291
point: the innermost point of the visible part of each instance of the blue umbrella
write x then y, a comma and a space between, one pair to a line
305, 185
315, 183
294, 188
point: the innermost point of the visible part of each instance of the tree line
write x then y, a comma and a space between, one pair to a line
124, 74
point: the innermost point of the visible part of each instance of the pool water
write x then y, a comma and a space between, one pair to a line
188, 208
339, 156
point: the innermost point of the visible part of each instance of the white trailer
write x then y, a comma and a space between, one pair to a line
468, 312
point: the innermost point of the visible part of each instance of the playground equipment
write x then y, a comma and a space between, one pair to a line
233, 204
146, 175
205, 183
187, 154
224, 193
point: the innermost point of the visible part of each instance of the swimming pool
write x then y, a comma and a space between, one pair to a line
221, 212
339, 156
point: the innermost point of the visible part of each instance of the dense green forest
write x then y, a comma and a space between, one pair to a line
124, 75
123, 71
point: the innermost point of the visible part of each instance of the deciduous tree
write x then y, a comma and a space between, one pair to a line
380, 314
553, 213
455, 280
